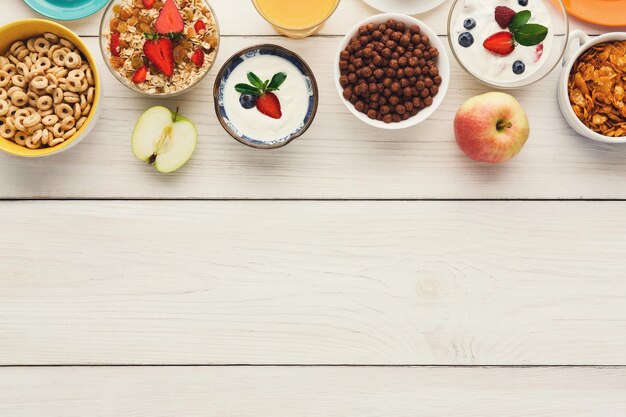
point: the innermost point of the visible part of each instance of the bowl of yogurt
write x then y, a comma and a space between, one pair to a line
508, 43
265, 96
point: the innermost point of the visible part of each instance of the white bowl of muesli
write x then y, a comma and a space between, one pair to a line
159, 47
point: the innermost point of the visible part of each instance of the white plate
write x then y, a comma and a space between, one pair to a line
404, 6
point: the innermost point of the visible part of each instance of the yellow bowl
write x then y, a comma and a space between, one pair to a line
24, 29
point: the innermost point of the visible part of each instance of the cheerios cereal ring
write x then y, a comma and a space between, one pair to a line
77, 111
86, 110
63, 110
5, 78
58, 57
39, 82
18, 122
57, 131
50, 120
31, 144
43, 63
4, 107
19, 80
69, 133
71, 98
44, 103
7, 131
58, 96
51, 37
73, 85
32, 120
64, 42
55, 142
45, 136
38, 135
20, 138
68, 123
15, 46
45, 113
22, 54
30, 44
19, 98
90, 95
32, 98
89, 76
22, 69
24, 113
80, 122
8, 121
76, 74
73, 60
3, 94
41, 45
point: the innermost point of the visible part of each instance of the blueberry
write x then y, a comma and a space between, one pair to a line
466, 39
247, 101
523, 3
519, 67
469, 23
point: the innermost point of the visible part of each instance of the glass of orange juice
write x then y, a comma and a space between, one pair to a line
296, 18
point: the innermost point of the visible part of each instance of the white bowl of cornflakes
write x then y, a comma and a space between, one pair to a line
592, 87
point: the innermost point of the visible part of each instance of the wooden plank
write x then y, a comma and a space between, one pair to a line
313, 392
452, 283
339, 157
239, 17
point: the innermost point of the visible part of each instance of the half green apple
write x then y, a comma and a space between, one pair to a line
164, 139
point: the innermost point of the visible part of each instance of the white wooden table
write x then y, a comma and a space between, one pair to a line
354, 273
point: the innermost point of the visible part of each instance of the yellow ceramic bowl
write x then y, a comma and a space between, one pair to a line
24, 29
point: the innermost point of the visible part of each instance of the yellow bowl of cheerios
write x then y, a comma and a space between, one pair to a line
49, 88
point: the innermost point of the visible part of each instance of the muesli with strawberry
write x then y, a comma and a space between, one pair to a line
162, 47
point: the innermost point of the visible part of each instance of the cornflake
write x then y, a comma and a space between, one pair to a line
597, 88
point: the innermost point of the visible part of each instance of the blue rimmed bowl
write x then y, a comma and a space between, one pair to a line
236, 60
66, 9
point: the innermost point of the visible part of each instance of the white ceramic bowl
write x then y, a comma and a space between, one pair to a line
578, 44
443, 64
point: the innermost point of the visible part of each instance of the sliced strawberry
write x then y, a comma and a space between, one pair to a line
114, 44
500, 43
198, 57
199, 25
140, 74
148, 3
169, 20
161, 53
503, 16
269, 105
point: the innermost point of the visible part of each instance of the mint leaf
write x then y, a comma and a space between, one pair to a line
255, 81
530, 34
520, 19
277, 80
247, 89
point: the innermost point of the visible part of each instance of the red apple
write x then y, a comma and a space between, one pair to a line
491, 127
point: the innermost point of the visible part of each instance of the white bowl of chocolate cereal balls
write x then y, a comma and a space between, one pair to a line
392, 71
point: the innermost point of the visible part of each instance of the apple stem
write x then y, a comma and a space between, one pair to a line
176, 114
501, 125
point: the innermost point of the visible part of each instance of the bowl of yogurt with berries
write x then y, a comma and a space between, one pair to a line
508, 43
265, 96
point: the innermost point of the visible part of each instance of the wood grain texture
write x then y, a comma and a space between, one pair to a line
312, 392
339, 157
454, 283
239, 18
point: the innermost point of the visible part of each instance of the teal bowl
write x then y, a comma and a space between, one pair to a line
66, 9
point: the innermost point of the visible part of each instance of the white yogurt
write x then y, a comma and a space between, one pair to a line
487, 65
293, 96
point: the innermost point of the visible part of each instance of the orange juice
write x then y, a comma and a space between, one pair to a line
296, 16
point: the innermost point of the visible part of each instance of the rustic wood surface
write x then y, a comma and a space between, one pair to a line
327, 303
